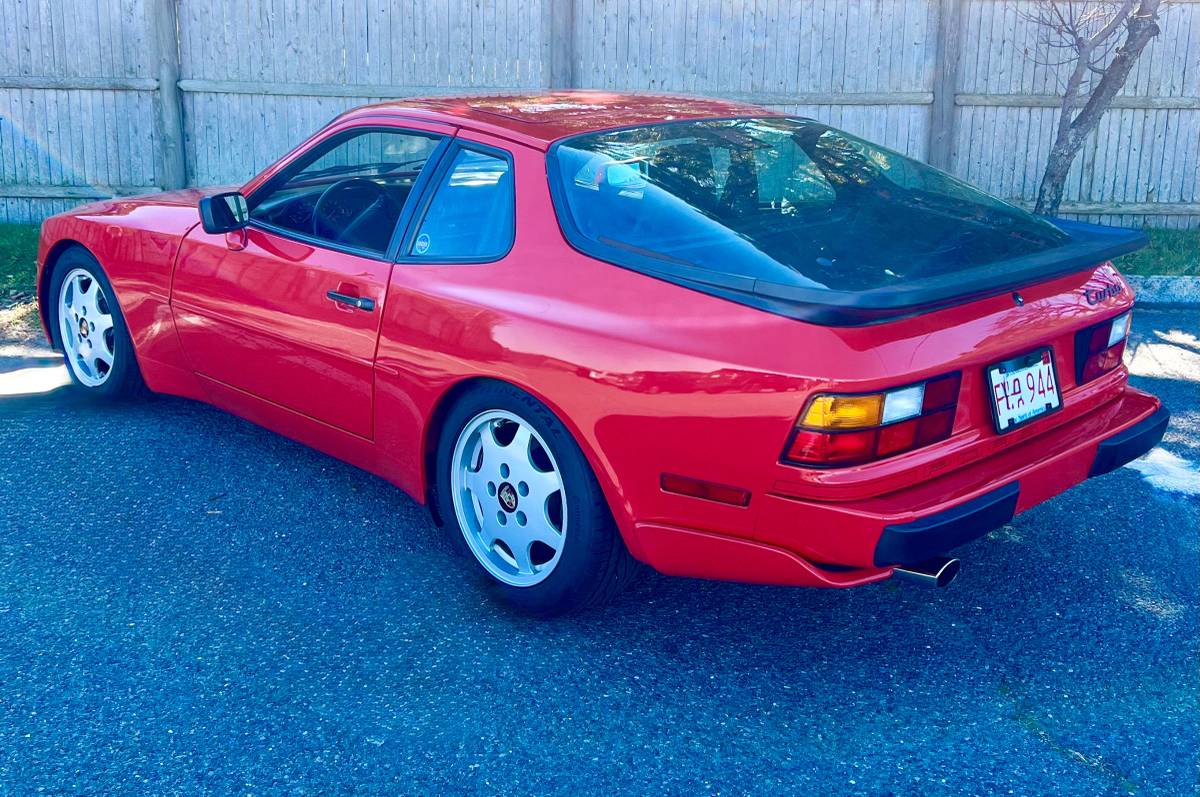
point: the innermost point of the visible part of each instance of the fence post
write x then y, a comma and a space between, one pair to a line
164, 25
945, 83
560, 39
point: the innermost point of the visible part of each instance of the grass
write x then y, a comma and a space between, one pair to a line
18, 270
1172, 252
18, 254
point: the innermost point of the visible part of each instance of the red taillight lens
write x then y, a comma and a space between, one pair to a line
935, 426
1099, 348
940, 393
897, 437
849, 430
832, 447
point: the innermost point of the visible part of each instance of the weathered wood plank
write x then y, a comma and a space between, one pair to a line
255, 76
76, 191
1051, 101
256, 88
1075, 207
51, 82
164, 24
945, 83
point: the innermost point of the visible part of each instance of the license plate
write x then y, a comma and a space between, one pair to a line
1023, 389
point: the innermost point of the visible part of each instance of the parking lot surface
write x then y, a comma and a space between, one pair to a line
191, 604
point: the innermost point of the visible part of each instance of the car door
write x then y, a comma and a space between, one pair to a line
288, 309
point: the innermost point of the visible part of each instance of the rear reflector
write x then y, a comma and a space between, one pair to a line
710, 491
852, 429
1099, 348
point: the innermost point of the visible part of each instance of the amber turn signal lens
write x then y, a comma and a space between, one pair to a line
843, 412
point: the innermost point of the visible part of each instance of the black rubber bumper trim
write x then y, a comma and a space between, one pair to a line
907, 543
1130, 444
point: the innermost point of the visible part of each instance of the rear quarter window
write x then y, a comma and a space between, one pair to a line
471, 216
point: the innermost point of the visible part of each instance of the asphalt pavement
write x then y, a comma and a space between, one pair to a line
190, 604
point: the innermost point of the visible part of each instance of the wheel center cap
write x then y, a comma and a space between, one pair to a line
83, 328
507, 496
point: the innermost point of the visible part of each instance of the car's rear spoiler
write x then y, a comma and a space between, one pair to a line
1090, 245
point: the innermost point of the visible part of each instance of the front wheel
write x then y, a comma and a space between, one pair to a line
514, 489
90, 328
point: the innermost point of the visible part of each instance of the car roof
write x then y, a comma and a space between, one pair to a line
540, 118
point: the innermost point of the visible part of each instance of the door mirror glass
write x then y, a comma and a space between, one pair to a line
224, 212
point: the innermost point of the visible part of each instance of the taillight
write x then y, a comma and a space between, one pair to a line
851, 429
1099, 348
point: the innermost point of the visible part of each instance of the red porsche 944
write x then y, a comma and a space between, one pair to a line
590, 330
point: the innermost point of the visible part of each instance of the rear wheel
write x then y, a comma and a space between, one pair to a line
516, 492
90, 328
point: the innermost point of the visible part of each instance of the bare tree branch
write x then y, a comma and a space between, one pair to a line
1102, 40
1111, 27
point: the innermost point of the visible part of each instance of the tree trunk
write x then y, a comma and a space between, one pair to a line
1141, 27
1050, 192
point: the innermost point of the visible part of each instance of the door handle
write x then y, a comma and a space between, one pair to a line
353, 301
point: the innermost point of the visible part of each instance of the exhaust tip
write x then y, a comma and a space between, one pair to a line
936, 572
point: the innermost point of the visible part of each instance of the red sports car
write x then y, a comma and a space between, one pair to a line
591, 329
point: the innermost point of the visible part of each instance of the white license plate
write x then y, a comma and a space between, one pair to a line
1023, 389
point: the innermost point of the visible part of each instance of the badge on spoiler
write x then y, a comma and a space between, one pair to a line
1109, 290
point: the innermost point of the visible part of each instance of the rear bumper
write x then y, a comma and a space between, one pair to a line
867, 537
907, 543
1128, 445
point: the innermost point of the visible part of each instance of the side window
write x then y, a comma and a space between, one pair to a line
472, 211
349, 191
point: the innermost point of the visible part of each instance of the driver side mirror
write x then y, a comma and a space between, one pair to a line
224, 212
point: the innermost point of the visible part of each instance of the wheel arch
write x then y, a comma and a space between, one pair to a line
46, 278
433, 429
595, 459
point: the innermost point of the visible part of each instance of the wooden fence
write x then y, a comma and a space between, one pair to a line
102, 97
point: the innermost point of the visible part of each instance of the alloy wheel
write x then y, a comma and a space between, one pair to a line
85, 324
509, 498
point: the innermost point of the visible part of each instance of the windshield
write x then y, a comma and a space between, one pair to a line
783, 200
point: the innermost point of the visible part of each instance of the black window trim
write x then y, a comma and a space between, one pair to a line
319, 149
1090, 246
405, 256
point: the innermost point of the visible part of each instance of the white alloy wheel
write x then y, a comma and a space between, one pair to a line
85, 325
509, 499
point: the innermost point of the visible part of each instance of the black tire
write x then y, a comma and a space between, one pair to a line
594, 564
124, 380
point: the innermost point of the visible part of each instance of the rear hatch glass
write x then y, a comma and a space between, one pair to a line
796, 217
